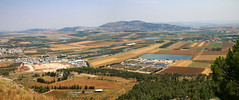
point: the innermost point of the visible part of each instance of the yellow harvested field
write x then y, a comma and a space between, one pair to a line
207, 71
128, 36
207, 57
64, 47
118, 47
24, 42
177, 45
194, 44
159, 49
182, 63
123, 56
104, 61
4, 40
30, 51
80, 43
76, 45
201, 44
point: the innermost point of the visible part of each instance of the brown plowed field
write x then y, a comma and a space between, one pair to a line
214, 52
227, 45
207, 44
182, 70
207, 57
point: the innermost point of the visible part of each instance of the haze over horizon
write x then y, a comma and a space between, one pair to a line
51, 14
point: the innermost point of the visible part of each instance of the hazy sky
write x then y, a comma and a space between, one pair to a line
26, 14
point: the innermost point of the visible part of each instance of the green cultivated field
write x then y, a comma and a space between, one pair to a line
215, 45
199, 49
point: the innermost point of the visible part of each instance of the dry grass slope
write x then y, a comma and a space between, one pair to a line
9, 90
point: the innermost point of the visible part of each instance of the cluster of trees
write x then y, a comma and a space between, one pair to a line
159, 41
111, 72
216, 49
36, 75
52, 74
172, 86
72, 87
40, 80
41, 89
64, 77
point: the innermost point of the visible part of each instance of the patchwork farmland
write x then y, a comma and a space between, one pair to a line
123, 56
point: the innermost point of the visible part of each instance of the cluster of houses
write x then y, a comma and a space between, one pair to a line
10, 51
50, 59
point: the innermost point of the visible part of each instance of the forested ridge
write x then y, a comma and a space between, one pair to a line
172, 86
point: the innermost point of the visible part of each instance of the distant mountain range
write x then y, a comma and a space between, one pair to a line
203, 25
141, 26
77, 28
137, 26
34, 30
130, 26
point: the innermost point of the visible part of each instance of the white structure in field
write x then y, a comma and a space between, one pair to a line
130, 44
98, 90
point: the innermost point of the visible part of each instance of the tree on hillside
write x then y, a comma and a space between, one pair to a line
225, 76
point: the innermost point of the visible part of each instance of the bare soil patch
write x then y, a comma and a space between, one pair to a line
46, 67
227, 45
182, 70
207, 57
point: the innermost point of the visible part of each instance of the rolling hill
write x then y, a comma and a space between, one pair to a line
140, 26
